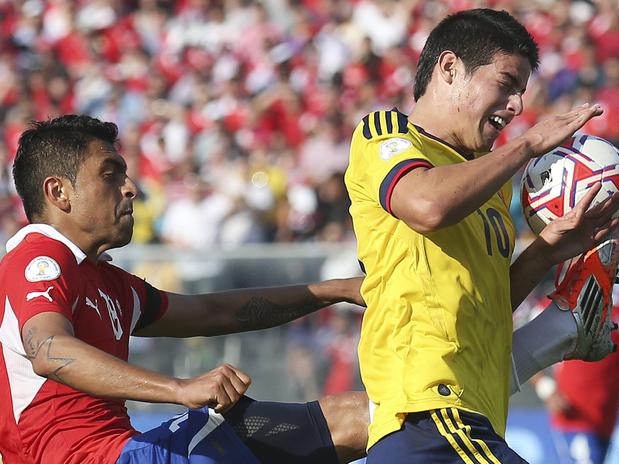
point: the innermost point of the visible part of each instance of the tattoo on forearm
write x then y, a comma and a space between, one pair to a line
260, 313
44, 349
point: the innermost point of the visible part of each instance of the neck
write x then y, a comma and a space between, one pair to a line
425, 115
80, 239
437, 123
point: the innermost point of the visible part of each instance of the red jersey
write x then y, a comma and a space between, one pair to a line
41, 420
591, 389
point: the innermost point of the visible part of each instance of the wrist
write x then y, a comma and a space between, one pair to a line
177, 387
526, 146
541, 253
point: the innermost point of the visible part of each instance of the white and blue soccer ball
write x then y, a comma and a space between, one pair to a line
553, 183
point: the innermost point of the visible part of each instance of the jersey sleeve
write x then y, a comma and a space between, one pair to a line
149, 303
45, 279
382, 152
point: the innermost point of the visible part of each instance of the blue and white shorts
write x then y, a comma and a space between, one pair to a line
200, 436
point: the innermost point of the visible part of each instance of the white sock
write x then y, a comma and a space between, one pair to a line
544, 341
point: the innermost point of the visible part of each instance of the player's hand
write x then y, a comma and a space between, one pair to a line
581, 228
218, 389
552, 131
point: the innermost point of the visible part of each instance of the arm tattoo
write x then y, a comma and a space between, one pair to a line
29, 344
260, 313
44, 347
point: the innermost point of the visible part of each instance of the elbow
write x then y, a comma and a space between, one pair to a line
424, 217
40, 367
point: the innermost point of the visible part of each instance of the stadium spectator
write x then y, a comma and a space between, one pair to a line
430, 206
264, 89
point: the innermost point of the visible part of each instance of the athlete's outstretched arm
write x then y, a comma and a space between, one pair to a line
248, 309
430, 199
55, 353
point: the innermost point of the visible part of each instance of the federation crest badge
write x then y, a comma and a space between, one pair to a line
42, 268
393, 146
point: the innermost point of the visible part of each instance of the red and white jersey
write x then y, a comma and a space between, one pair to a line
43, 421
592, 390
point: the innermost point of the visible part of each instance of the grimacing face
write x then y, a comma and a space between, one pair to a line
102, 202
487, 100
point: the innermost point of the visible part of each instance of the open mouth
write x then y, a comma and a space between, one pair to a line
497, 122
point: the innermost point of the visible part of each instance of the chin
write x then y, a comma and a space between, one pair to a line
123, 238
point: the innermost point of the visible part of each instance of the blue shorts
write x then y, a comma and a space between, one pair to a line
575, 447
443, 436
199, 436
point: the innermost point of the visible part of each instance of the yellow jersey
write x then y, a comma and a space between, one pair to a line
438, 326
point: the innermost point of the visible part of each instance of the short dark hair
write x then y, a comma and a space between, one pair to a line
475, 36
56, 147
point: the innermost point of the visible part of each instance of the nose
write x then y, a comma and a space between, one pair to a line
130, 190
515, 104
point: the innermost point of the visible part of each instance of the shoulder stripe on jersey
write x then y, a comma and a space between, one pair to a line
377, 125
373, 124
389, 121
402, 123
392, 178
366, 127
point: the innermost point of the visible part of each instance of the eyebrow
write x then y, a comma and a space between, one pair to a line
116, 162
513, 81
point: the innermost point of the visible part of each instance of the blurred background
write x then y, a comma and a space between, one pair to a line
235, 118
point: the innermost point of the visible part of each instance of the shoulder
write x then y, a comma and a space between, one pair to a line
41, 257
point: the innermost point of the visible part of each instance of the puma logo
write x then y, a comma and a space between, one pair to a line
94, 306
33, 295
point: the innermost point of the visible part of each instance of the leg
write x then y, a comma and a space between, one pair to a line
577, 324
544, 341
283, 432
332, 430
199, 436
347, 416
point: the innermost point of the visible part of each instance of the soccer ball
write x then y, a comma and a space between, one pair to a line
553, 183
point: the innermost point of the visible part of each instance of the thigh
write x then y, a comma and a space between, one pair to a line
199, 436
580, 447
444, 436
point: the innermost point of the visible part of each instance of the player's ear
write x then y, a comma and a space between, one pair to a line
57, 192
446, 65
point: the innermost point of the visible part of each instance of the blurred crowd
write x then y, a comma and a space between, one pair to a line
235, 115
